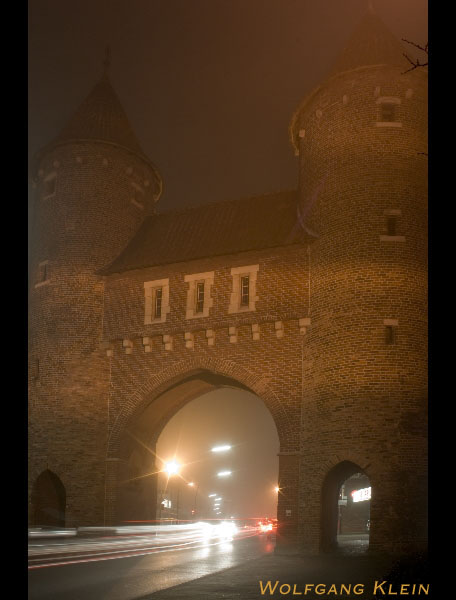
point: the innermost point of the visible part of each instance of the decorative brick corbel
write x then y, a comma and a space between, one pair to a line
147, 343
168, 342
128, 345
303, 324
278, 325
189, 340
108, 346
255, 331
210, 336
232, 332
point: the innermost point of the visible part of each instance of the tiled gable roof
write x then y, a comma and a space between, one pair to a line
212, 230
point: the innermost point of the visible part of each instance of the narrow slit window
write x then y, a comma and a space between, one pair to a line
43, 272
199, 297
391, 225
49, 186
245, 290
389, 335
158, 303
387, 112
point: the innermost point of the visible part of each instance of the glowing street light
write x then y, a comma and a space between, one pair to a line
221, 448
223, 473
172, 468
277, 489
191, 484
212, 495
217, 499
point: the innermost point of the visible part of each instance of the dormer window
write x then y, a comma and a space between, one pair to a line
243, 295
199, 299
156, 296
388, 112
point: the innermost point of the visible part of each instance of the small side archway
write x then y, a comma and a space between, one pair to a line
48, 501
330, 514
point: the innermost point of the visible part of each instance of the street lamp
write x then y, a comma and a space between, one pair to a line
172, 468
223, 473
223, 448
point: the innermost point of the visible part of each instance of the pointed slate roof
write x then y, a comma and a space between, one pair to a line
209, 230
371, 43
101, 117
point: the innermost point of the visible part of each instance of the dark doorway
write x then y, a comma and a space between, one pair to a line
345, 518
48, 501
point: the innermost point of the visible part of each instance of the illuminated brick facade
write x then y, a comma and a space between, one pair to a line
334, 340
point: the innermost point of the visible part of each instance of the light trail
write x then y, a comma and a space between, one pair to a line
127, 553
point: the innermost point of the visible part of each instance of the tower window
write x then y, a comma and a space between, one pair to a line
389, 335
49, 185
199, 297
387, 112
158, 303
391, 225
245, 290
43, 273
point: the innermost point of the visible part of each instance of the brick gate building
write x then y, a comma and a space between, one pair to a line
314, 299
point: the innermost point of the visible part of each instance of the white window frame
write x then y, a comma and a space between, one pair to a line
208, 280
149, 301
237, 273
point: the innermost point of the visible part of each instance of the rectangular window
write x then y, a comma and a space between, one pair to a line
245, 290
156, 295
389, 335
391, 225
42, 276
49, 185
158, 303
387, 112
199, 297
43, 271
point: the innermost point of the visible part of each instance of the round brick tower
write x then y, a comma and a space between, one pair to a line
361, 137
94, 186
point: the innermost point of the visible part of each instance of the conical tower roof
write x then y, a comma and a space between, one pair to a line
101, 117
371, 43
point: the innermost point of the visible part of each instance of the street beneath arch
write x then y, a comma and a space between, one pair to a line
139, 562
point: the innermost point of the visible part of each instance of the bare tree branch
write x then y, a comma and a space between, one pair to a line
416, 63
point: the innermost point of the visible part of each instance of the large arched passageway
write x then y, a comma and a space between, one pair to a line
134, 456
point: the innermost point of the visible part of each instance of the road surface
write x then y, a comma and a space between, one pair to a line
131, 565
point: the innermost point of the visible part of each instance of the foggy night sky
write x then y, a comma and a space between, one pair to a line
238, 418
209, 87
